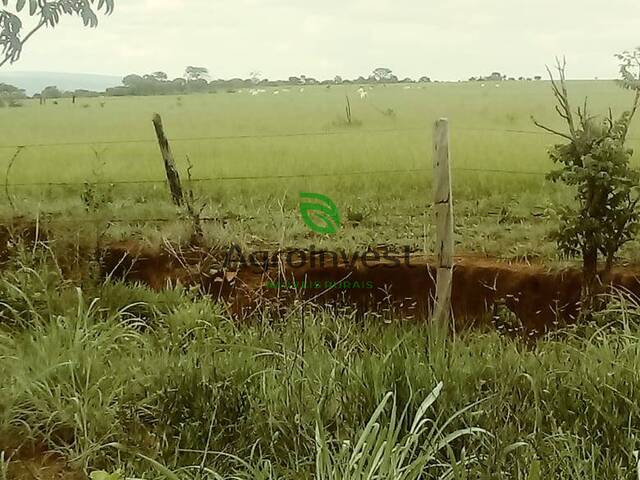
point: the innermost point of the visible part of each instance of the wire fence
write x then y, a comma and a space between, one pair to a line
274, 177
321, 133
240, 178
255, 178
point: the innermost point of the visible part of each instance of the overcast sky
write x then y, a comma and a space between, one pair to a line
446, 40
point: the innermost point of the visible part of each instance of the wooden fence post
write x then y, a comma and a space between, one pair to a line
169, 163
443, 209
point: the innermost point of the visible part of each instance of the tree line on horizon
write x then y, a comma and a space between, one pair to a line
197, 80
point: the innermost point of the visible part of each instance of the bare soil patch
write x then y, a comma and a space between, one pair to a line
28, 461
538, 297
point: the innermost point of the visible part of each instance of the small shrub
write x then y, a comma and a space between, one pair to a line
595, 162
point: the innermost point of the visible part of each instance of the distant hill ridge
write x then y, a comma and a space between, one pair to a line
35, 82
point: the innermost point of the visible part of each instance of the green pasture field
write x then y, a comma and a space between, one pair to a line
503, 204
123, 382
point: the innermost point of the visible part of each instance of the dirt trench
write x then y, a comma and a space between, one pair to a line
538, 297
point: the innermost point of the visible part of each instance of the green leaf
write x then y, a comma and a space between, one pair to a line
321, 216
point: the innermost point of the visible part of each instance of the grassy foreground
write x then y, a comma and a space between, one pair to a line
164, 385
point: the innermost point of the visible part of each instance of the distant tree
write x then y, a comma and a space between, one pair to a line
10, 95
382, 74
196, 73
295, 80
160, 76
132, 80
197, 85
47, 13
338, 79
7, 90
119, 91
82, 93
537, 77
494, 77
51, 92
425, 79
255, 77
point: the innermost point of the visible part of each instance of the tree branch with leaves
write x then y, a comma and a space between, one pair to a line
596, 163
46, 14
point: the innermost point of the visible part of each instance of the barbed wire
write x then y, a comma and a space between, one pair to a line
227, 178
278, 176
277, 135
517, 131
273, 177
53, 219
218, 137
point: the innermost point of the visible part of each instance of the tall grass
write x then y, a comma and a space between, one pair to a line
119, 378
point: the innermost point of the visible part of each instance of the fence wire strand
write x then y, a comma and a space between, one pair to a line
278, 135
278, 176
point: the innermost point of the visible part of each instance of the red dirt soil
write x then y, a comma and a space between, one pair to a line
28, 462
540, 298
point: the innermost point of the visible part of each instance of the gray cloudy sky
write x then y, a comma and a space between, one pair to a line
446, 40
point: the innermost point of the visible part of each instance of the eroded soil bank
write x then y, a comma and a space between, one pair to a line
539, 297
400, 285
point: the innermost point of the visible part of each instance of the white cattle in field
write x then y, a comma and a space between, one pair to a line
277, 92
363, 93
301, 90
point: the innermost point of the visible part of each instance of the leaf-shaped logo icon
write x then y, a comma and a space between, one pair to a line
319, 213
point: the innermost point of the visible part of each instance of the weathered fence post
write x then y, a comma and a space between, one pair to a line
443, 209
169, 164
